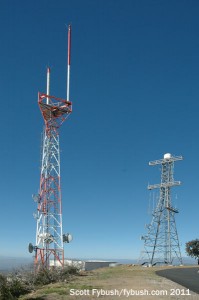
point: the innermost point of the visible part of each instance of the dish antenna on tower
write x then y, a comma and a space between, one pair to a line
30, 248
67, 238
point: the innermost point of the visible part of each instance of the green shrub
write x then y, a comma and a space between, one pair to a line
18, 288
22, 282
11, 288
72, 270
67, 272
45, 276
5, 293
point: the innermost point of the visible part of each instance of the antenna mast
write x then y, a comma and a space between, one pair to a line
68, 66
49, 248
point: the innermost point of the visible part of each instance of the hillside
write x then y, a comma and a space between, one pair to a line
122, 282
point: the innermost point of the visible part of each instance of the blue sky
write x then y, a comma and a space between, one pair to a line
135, 93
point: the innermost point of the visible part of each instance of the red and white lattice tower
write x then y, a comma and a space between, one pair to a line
49, 248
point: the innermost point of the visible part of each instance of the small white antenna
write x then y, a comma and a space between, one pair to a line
48, 85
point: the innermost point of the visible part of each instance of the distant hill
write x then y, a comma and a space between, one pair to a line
186, 260
9, 263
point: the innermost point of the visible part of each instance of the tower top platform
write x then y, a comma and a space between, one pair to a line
54, 108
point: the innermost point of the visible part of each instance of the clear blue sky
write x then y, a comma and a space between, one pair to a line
135, 94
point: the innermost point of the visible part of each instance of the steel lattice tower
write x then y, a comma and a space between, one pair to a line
161, 244
49, 248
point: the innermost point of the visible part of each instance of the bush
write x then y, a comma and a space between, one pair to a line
11, 288
72, 270
192, 248
45, 276
22, 282
5, 293
18, 288
66, 272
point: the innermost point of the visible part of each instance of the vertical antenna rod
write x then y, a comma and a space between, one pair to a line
48, 85
68, 67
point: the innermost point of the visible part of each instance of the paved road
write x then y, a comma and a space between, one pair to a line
188, 277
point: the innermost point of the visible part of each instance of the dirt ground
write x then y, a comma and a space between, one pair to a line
121, 282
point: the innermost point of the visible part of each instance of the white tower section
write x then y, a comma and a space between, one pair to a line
161, 243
